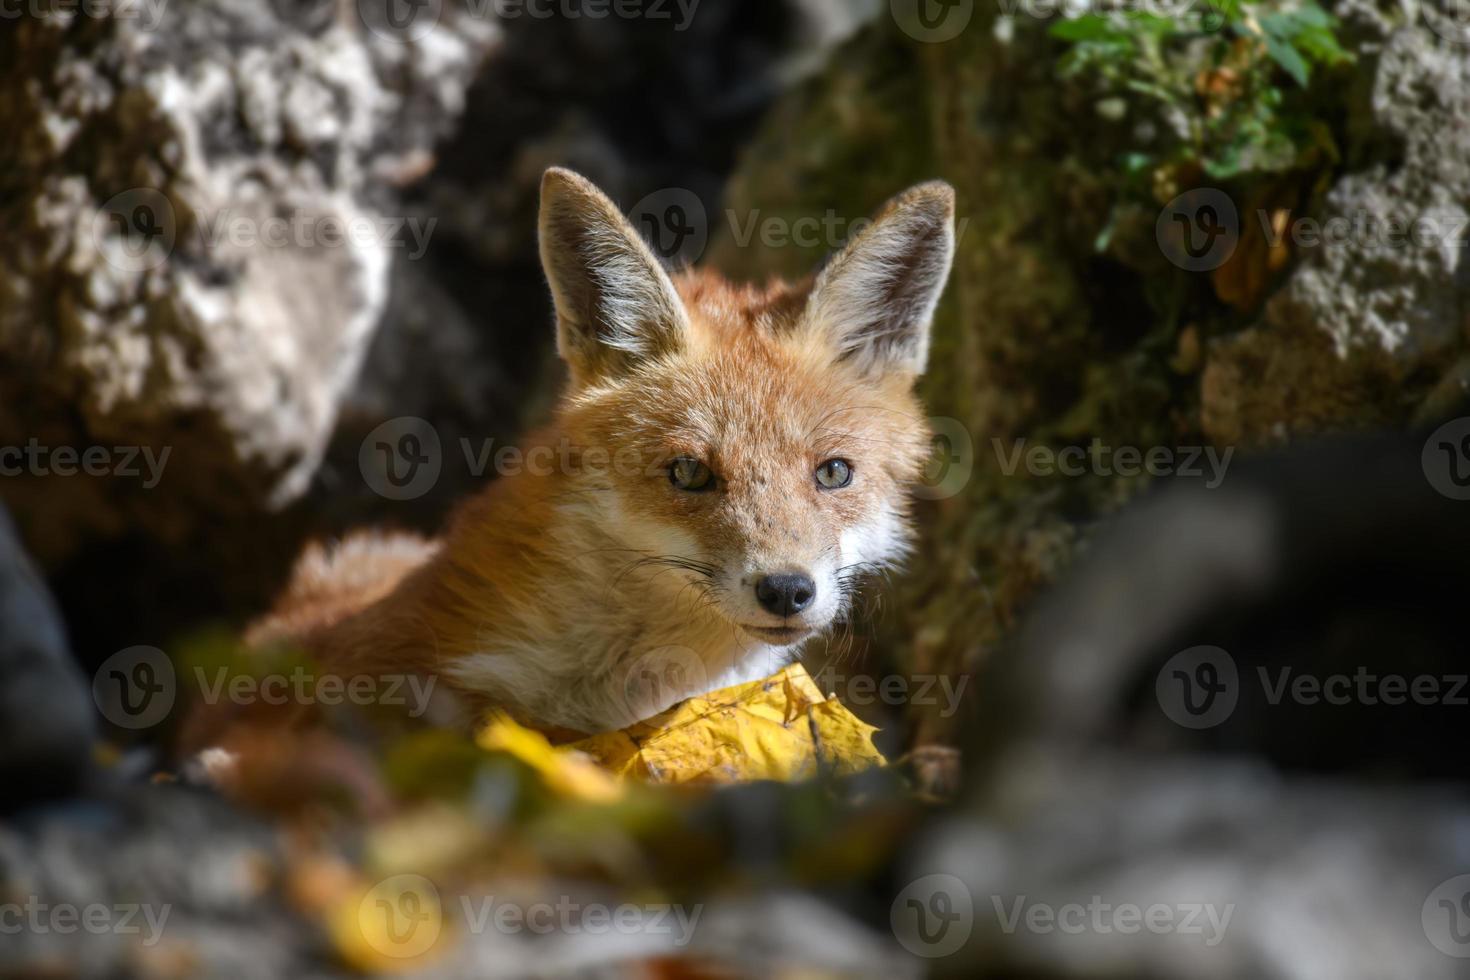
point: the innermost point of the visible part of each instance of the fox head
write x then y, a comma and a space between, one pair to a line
762, 440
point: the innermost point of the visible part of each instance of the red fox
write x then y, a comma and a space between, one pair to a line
731, 460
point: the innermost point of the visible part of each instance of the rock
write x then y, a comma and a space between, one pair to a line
201, 236
183, 882
1327, 559
1168, 731
46, 714
1098, 864
1378, 311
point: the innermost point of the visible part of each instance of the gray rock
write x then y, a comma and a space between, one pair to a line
1380, 305
46, 719
201, 204
169, 879
1330, 828
1246, 874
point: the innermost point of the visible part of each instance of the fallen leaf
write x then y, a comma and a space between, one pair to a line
778, 728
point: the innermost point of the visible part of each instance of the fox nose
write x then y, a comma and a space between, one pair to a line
786, 593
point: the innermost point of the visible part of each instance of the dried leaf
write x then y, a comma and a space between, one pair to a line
778, 728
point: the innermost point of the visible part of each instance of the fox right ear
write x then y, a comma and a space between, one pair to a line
615, 304
874, 301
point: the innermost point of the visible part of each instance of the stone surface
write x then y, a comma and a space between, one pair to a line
1305, 815
1377, 312
199, 251
186, 882
46, 720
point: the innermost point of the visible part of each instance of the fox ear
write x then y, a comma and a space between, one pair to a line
875, 299
615, 304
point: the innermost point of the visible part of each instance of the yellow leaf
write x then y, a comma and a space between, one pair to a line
778, 728
395, 926
566, 773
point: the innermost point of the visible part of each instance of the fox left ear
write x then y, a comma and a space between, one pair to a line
875, 299
615, 304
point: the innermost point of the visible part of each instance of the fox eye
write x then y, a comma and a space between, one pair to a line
834, 474
690, 474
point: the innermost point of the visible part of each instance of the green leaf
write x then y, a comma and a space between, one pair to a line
1311, 15
1088, 27
1152, 23
1288, 58
1321, 46
1229, 9
1137, 163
